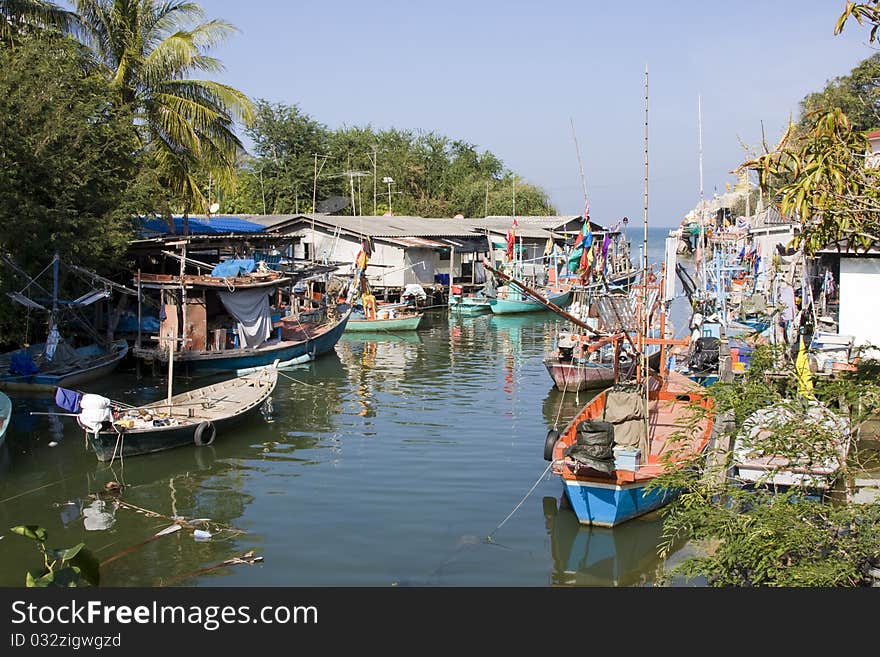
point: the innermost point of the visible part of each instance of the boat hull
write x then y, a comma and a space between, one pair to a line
511, 306
469, 305
392, 324
579, 376
49, 382
242, 359
109, 445
5, 415
608, 505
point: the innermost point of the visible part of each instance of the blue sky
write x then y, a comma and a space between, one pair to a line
509, 76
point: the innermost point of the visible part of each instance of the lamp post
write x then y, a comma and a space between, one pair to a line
389, 181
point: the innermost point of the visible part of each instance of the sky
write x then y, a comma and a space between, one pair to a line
511, 77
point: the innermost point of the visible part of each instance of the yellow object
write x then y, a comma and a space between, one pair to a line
738, 366
369, 302
802, 369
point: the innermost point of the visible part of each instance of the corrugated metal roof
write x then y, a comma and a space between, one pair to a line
155, 227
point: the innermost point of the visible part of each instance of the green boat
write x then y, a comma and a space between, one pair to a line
518, 302
392, 324
469, 305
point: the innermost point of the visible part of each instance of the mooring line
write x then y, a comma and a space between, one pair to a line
516, 508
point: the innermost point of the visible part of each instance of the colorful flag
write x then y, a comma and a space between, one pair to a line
802, 369
548, 248
511, 240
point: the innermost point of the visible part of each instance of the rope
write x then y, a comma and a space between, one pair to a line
516, 508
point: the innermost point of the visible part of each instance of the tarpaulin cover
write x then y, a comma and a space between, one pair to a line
22, 363
68, 399
251, 309
233, 268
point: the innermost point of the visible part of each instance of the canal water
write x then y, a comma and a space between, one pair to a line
388, 462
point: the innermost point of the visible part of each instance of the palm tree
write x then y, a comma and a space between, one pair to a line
18, 15
149, 50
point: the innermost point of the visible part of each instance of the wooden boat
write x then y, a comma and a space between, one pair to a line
607, 492
306, 333
580, 362
400, 322
43, 367
469, 305
5, 415
826, 431
514, 300
84, 364
191, 418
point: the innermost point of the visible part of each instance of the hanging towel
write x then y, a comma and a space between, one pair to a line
69, 400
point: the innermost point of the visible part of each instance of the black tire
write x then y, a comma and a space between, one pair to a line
602, 438
205, 433
550, 443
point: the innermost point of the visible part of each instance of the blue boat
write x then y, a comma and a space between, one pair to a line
231, 323
82, 365
308, 338
5, 415
606, 458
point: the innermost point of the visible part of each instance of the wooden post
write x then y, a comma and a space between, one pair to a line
451, 273
183, 330
138, 340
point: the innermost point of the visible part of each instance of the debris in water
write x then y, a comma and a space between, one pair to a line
53, 444
201, 535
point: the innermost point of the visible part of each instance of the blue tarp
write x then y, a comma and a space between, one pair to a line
22, 363
68, 400
200, 226
233, 268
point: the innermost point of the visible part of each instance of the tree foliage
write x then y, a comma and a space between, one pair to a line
758, 536
150, 52
67, 156
433, 175
857, 95
823, 180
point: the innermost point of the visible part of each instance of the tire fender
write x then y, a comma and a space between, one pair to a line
205, 433
550, 443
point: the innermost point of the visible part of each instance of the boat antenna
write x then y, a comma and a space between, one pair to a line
702, 240
646, 380
580, 164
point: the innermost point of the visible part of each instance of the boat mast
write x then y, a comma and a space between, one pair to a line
645, 326
702, 239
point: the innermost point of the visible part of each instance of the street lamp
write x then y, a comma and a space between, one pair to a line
388, 180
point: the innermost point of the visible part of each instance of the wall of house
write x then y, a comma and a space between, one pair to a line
859, 317
417, 273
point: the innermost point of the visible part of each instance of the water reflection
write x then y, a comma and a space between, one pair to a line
596, 556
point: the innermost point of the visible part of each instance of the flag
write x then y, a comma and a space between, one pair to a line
606, 242
511, 240
585, 237
802, 369
515, 222
548, 248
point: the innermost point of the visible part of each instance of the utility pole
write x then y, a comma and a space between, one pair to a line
389, 180
373, 159
486, 211
315, 182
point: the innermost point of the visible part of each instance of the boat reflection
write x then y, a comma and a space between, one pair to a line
595, 556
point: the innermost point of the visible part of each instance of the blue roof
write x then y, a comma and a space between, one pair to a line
216, 225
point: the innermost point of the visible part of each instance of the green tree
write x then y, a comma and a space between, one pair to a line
67, 158
822, 179
150, 51
856, 94
29, 16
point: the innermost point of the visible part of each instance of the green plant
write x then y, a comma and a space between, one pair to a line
68, 567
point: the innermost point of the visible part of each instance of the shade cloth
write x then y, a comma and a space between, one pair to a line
251, 309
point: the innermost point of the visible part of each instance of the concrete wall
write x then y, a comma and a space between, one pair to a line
859, 311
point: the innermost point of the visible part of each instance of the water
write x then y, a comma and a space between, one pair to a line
388, 462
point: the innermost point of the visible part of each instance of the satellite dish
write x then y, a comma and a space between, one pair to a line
214, 207
333, 204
